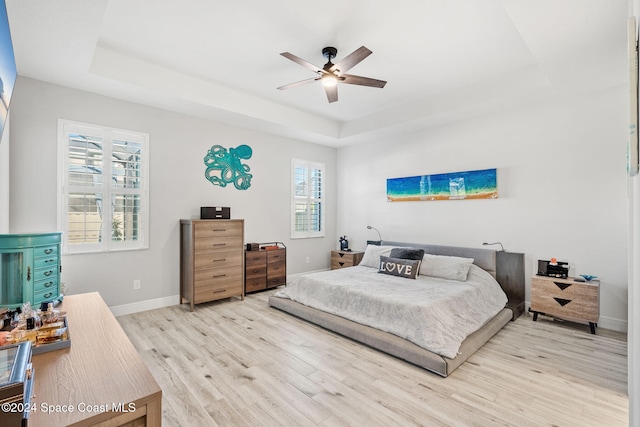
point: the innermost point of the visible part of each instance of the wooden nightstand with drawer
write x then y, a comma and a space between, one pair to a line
342, 259
566, 299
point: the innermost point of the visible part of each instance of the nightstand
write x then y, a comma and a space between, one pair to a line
342, 259
566, 299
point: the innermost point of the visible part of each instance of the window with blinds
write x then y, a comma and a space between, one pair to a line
103, 198
308, 198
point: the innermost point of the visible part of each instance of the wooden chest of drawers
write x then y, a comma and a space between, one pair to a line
342, 259
265, 269
566, 299
211, 260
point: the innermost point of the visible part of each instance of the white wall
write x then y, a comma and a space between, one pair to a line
178, 187
4, 180
634, 281
561, 182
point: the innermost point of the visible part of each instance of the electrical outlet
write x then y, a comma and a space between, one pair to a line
136, 284
307, 260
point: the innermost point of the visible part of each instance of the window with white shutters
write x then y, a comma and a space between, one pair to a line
103, 197
308, 199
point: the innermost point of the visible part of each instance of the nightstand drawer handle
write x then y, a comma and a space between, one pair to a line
341, 263
219, 275
562, 301
219, 260
562, 286
220, 291
341, 254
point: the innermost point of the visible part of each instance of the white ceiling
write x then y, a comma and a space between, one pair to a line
444, 60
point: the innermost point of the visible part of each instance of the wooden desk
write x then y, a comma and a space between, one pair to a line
101, 378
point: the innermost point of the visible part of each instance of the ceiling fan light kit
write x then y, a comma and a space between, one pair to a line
331, 74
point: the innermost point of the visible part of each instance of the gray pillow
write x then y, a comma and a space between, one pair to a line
407, 253
399, 267
446, 267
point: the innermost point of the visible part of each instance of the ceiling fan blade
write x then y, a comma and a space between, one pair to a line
362, 81
351, 60
302, 62
300, 83
332, 93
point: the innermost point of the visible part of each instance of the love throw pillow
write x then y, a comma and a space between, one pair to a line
399, 267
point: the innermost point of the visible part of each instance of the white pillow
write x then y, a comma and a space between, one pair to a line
371, 257
445, 267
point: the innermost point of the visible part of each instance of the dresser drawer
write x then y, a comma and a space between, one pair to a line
218, 259
215, 228
217, 275
278, 269
255, 271
45, 295
45, 273
275, 281
253, 284
277, 255
215, 244
44, 285
46, 251
211, 293
51, 261
255, 258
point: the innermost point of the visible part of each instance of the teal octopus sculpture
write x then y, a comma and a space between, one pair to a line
225, 166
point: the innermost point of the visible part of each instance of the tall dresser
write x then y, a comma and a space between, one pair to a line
29, 268
211, 260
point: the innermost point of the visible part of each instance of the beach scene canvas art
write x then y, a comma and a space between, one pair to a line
478, 184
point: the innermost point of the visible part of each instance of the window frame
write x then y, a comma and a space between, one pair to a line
308, 199
108, 135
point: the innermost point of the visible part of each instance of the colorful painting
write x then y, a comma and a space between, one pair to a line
480, 184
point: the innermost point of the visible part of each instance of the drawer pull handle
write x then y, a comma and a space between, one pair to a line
219, 260
48, 284
341, 264
562, 301
50, 260
48, 295
220, 291
28, 273
562, 286
219, 229
48, 251
219, 244
48, 273
219, 275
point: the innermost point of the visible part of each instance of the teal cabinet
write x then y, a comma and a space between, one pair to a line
29, 268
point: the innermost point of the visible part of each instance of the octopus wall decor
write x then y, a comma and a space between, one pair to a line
226, 167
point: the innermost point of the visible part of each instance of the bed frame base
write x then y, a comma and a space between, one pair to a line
393, 344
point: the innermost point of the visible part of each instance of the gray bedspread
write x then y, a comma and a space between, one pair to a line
436, 314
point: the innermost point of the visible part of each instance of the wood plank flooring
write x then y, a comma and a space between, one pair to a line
234, 363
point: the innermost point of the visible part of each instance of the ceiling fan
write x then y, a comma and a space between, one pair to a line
332, 74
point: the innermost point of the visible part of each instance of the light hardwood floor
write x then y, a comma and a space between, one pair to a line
234, 363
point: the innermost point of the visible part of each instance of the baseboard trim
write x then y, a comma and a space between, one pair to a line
151, 304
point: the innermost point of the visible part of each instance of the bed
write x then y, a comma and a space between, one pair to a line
317, 298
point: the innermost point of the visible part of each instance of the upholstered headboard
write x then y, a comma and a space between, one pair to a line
506, 267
